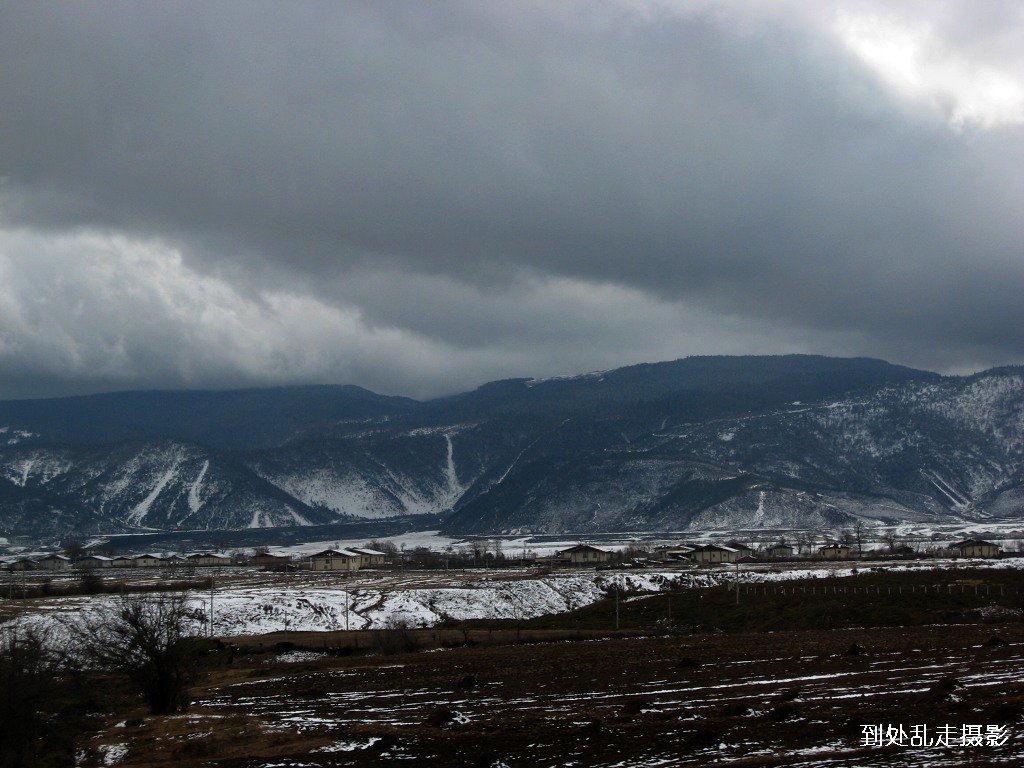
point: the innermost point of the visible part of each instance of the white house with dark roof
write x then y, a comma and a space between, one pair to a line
714, 553
584, 554
55, 563
834, 551
368, 558
335, 560
974, 548
778, 551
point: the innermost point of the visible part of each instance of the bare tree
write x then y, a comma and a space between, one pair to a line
148, 639
387, 547
858, 536
890, 538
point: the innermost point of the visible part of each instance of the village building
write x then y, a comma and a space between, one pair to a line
334, 560
974, 548
55, 563
207, 559
779, 551
707, 554
369, 558
149, 561
123, 561
742, 550
25, 564
583, 554
90, 562
269, 561
675, 552
834, 551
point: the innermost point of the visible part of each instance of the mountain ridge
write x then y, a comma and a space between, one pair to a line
711, 442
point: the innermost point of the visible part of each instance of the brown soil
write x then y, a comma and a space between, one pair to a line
797, 698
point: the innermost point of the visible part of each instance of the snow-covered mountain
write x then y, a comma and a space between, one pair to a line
702, 443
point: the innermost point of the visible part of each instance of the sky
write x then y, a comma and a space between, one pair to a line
420, 197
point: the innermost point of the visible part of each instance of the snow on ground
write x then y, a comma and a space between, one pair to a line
370, 606
316, 602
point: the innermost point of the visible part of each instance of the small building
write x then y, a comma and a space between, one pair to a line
974, 548
207, 559
55, 563
334, 560
668, 553
834, 551
742, 550
714, 553
25, 564
369, 558
149, 561
779, 551
91, 562
123, 561
269, 561
583, 554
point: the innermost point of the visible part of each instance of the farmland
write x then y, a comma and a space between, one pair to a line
643, 670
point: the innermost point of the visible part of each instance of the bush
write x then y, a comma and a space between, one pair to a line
40, 706
146, 638
395, 637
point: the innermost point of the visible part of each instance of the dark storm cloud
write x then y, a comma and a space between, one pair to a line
433, 187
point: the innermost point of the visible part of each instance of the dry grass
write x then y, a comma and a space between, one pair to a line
618, 701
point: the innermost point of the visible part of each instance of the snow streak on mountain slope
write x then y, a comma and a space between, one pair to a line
375, 476
911, 452
149, 485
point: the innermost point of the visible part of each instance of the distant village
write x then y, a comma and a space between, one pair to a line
581, 555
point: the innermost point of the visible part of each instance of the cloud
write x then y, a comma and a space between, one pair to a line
912, 59
419, 197
111, 313
106, 311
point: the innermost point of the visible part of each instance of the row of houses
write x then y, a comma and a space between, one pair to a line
705, 554
57, 562
720, 553
351, 559
357, 558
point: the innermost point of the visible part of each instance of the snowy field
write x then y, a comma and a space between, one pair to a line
256, 603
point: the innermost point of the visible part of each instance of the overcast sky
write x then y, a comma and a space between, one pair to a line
419, 197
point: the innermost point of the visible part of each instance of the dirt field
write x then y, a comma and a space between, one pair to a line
884, 668
797, 698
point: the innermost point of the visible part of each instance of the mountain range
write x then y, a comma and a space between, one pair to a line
703, 443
